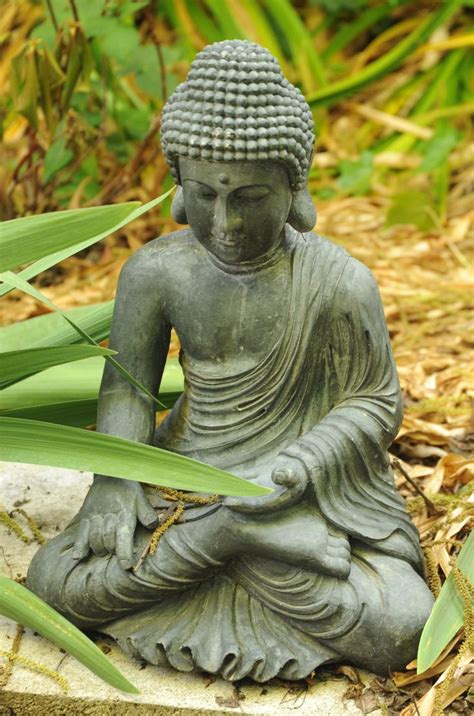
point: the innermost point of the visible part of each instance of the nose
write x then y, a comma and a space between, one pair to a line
226, 219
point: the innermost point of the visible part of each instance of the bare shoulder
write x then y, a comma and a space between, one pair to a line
161, 251
155, 261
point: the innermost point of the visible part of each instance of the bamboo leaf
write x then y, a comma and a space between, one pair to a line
39, 443
15, 365
14, 280
21, 605
31, 237
75, 381
68, 393
59, 237
52, 330
447, 616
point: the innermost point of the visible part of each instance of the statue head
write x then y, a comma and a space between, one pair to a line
236, 107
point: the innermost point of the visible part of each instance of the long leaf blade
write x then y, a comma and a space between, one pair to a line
40, 443
31, 237
68, 393
447, 615
15, 365
21, 605
17, 282
81, 243
52, 330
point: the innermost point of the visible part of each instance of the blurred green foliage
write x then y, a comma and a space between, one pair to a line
81, 121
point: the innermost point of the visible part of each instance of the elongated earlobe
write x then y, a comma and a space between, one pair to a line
178, 211
302, 216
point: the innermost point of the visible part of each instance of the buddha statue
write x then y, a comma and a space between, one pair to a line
289, 382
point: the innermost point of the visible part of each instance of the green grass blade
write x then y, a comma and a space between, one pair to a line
207, 27
257, 26
15, 365
83, 239
39, 443
228, 27
52, 330
63, 383
387, 62
447, 67
303, 52
70, 382
447, 615
349, 31
14, 280
189, 37
21, 605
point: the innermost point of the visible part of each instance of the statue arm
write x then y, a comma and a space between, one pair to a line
341, 462
345, 454
140, 334
363, 399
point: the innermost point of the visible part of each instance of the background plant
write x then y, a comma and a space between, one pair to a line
390, 84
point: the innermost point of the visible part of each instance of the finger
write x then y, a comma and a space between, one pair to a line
286, 478
338, 543
145, 512
126, 523
338, 550
256, 505
246, 504
96, 539
109, 530
342, 568
81, 544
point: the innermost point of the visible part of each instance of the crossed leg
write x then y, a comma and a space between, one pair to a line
97, 589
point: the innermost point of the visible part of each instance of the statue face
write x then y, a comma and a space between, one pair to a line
237, 210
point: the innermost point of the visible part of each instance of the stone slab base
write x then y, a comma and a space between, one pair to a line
51, 497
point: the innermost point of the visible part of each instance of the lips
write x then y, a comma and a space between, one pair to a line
228, 239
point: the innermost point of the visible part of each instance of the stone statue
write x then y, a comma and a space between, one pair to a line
289, 381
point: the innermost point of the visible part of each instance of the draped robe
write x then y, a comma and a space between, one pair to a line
327, 393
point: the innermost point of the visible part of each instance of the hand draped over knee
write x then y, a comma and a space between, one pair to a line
108, 518
289, 481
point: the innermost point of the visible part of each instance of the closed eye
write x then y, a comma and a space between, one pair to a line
252, 193
201, 190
